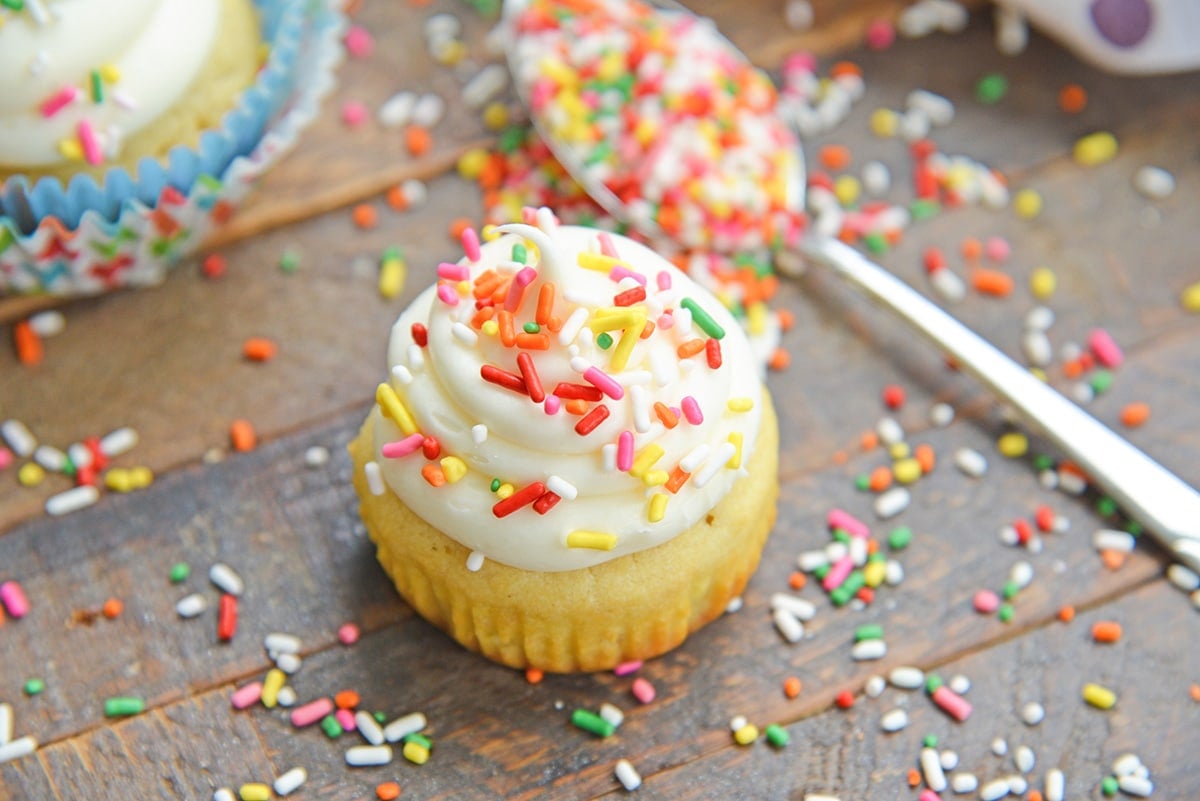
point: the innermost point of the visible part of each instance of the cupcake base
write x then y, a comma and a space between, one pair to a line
633, 607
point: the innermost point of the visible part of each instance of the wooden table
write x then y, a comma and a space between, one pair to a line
168, 362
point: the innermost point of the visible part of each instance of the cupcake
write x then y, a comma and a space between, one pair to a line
125, 134
573, 462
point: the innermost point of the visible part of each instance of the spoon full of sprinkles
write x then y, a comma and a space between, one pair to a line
671, 129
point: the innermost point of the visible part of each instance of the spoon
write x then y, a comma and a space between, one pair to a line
758, 157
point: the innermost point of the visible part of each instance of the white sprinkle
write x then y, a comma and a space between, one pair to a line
612, 714
1071, 483
999, 746
48, 323
734, 605
396, 111
1021, 574
1039, 318
1012, 31
721, 456
608, 457
994, 790
892, 503
835, 551
80, 454
895, 720
464, 334
72, 500
639, 399
287, 697
1082, 392
1183, 577
949, 286
971, 462
876, 179
371, 731
1037, 348
919, 19
893, 572
798, 14
1017, 785
1024, 758
964, 783
938, 109
737, 722
1033, 713
475, 561
1112, 540
191, 605
18, 437
627, 775
16, 749
889, 431
1055, 785
401, 727
479, 433
429, 110
907, 678
868, 650
290, 782
50, 458
6, 723
562, 488
858, 551
288, 663
316, 456
1126, 765
1154, 182
367, 755
278, 643
959, 683
694, 458
931, 769
118, 441
808, 561
573, 325
802, 608
949, 759
484, 86
224, 794
402, 374
788, 625
226, 579
874, 686
374, 478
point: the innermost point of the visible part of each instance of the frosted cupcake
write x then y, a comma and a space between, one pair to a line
121, 125
573, 462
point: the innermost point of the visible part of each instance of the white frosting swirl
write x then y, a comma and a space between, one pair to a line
157, 48
442, 388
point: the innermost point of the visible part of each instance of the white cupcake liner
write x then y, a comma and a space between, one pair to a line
86, 238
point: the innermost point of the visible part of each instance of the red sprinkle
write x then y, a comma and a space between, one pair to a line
227, 617
586, 392
431, 448
587, 424
503, 378
420, 334
522, 497
529, 373
1044, 517
844, 699
893, 396
546, 502
712, 352
630, 296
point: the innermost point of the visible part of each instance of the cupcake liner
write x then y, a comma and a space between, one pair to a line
89, 237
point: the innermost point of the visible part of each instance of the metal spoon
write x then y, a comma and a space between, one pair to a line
1162, 503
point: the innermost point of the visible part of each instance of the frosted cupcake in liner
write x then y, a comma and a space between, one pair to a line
120, 220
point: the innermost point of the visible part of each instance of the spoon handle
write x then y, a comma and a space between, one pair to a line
1168, 508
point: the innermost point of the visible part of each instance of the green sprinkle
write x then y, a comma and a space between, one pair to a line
121, 707
870, 631
1106, 507
289, 262
1006, 613
932, 682
210, 182
179, 572
1109, 786
380, 717
6, 239
843, 594
495, 485
68, 468
899, 538
876, 557
331, 727
777, 735
821, 571
701, 318
34, 686
1043, 462
531, 327
1010, 590
392, 253
930, 741
876, 243
510, 141
519, 253
924, 209
15, 5
604, 340
862, 482
1101, 381
841, 536
991, 88
1134, 528
419, 739
592, 723
97, 87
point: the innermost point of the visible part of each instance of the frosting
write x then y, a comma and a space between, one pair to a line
527, 476
141, 54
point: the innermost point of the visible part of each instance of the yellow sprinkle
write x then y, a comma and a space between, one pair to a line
884, 123
31, 474
756, 317
735, 461
141, 476
646, 131
899, 450
874, 573
1189, 298
471, 163
490, 328
70, 149
596, 540
416, 753
1013, 444
451, 53
644, 460
463, 288
489, 232
614, 317
590, 260
740, 404
1095, 149
1027, 203
495, 116
1099, 697
1042, 282
629, 338
746, 735
906, 471
656, 478
1039, 374
846, 189
272, 684
255, 791
110, 73
394, 409
453, 468
391, 277
505, 490
117, 480
658, 507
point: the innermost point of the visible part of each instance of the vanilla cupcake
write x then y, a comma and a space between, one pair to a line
573, 461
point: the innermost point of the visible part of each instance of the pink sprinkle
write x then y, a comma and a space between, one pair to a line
643, 690
838, 572
6, 457
90, 144
997, 249
346, 718
1105, 348
516, 290
248, 695
800, 62
470, 243
928, 795
359, 42
311, 712
58, 101
625, 451
691, 410
952, 704
607, 246
617, 273
839, 518
604, 382
552, 404
348, 634
986, 602
447, 295
665, 321
354, 113
12, 595
663, 279
626, 668
403, 447
453, 272
880, 34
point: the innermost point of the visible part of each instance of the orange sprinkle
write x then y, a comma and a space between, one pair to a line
545, 303
388, 791
689, 348
1134, 414
113, 608
914, 777
1034, 795
787, 320
576, 406
396, 198
664, 413
872, 546
418, 140
508, 333
346, 699
834, 157
868, 440
538, 341
29, 344
365, 216
845, 68
992, 282
779, 360
534, 675
676, 480
792, 687
925, 456
482, 316
797, 580
1113, 560
434, 475
457, 226
242, 436
880, 479
972, 249
1194, 692
1073, 368
1106, 631
258, 349
486, 284
1072, 98
1066, 613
